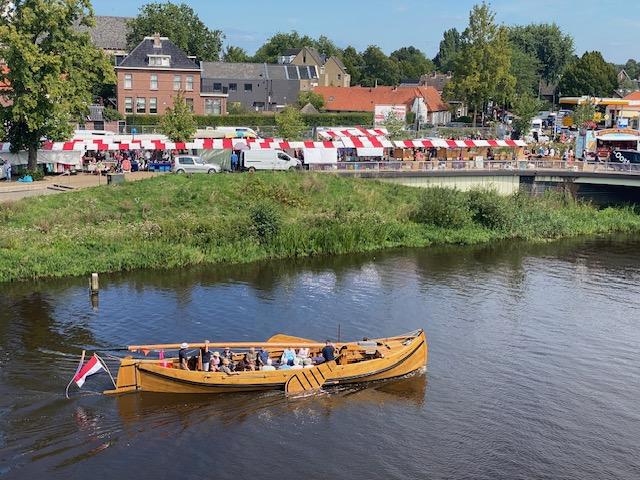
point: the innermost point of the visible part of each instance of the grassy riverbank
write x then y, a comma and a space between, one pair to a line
173, 221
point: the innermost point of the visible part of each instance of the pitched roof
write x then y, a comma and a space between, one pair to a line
315, 55
633, 96
139, 56
109, 33
233, 71
435, 80
253, 71
364, 99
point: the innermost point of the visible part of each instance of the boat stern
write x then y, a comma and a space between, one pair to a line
127, 380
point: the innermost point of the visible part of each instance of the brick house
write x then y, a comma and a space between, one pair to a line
154, 72
332, 72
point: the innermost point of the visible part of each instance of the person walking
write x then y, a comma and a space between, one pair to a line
7, 170
234, 161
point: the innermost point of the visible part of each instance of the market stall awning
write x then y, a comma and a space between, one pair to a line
452, 144
618, 137
339, 133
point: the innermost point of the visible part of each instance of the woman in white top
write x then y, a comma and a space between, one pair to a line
303, 353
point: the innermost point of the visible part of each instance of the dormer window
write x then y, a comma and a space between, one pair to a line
159, 60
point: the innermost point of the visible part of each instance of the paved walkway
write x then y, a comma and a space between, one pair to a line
11, 191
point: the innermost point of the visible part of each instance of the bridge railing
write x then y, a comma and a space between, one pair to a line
609, 167
440, 165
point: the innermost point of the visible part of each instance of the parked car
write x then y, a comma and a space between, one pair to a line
253, 160
193, 164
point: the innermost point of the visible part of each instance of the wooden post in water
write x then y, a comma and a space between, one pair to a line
93, 284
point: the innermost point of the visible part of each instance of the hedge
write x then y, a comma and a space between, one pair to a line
264, 119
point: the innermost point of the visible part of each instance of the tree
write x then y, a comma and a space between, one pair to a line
548, 44
632, 68
290, 124
583, 114
313, 98
52, 70
412, 63
589, 75
525, 107
354, 64
378, 68
327, 48
276, 46
525, 67
235, 55
482, 69
394, 126
449, 49
178, 122
181, 25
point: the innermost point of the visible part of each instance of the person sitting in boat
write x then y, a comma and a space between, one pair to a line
288, 356
227, 353
183, 356
252, 357
205, 355
307, 363
267, 367
303, 353
263, 357
329, 351
216, 362
246, 364
226, 366
297, 364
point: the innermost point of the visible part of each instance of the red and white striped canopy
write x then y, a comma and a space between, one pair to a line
442, 143
366, 142
352, 132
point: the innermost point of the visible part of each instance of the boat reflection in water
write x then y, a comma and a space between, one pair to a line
158, 409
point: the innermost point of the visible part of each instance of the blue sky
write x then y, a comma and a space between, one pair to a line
611, 26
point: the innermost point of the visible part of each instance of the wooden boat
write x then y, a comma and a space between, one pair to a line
356, 362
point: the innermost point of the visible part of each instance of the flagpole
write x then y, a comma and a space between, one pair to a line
66, 392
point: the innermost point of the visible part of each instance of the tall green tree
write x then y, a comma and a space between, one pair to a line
52, 70
525, 67
412, 62
354, 64
327, 47
632, 68
290, 124
589, 75
546, 41
277, 44
483, 67
525, 107
178, 122
235, 55
311, 97
378, 69
181, 24
450, 45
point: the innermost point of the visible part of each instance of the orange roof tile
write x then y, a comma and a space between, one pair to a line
364, 99
633, 96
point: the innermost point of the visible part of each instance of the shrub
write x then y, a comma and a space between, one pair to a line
443, 207
266, 221
490, 209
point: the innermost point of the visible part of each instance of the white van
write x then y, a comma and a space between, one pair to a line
253, 160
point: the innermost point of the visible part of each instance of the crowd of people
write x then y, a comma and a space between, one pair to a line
230, 362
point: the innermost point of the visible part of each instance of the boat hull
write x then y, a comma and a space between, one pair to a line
150, 376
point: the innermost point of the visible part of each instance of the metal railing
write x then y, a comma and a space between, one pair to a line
611, 167
442, 165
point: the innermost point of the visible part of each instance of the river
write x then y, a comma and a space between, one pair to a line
533, 372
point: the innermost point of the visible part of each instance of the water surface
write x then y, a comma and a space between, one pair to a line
534, 369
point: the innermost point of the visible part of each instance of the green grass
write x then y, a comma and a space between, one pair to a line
173, 221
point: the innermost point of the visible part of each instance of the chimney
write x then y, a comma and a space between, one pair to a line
157, 43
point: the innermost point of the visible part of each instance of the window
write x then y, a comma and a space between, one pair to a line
185, 161
248, 87
153, 105
233, 87
189, 102
128, 105
159, 61
141, 105
128, 81
217, 87
153, 83
177, 82
283, 156
212, 106
188, 83
339, 77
